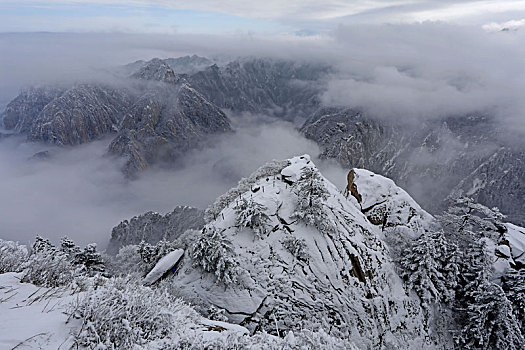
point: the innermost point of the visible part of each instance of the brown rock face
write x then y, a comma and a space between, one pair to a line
351, 187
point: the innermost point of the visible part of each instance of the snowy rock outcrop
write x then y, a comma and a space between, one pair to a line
286, 249
163, 266
152, 227
157, 70
389, 206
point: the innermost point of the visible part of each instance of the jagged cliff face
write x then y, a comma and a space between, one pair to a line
152, 227
175, 105
156, 120
330, 266
156, 70
461, 155
81, 114
20, 112
180, 65
164, 124
282, 88
165, 113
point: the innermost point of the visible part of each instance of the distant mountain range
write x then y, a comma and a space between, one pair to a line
160, 109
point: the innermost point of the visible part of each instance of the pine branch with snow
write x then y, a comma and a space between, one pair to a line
491, 322
311, 195
428, 268
12, 256
213, 252
514, 287
252, 215
296, 247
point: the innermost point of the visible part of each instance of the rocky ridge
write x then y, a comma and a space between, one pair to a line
437, 161
296, 270
151, 227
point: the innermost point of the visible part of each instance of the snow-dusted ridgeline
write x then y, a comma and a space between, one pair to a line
331, 269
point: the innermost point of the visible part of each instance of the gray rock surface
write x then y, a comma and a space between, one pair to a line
282, 88
163, 124
152, 227
81, 114
435, 161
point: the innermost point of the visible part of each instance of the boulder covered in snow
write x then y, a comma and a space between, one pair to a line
164, 265
515, 235
388, 206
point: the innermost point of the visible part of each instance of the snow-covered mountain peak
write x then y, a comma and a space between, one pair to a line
292, 172
157, 69
286, 249
389, 206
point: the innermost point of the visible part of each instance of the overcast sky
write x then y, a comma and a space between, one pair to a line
297, 17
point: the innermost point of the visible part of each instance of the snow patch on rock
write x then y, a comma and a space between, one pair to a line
164, 265
516, 237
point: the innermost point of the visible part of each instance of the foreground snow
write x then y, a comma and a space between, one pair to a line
285, 252
34, 317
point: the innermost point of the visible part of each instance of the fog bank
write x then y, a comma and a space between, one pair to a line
81, 193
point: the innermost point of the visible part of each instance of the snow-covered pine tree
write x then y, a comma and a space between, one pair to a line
12, 256
147, 252
41, 244
427, 268
296, 247
47, 266
311, 194
467, 221
475, 267
514, 287
69, 247
252, 215
150, 254
91, 260
213, 252
491, 322
128, 262
484, 314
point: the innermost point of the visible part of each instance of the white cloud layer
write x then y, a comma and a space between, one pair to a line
402, 71
429, 71
296, 15
81, 194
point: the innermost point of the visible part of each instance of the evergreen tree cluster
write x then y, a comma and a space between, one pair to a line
52, 266
213, 252
453, 269
252, 215
429, 267
311, 195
